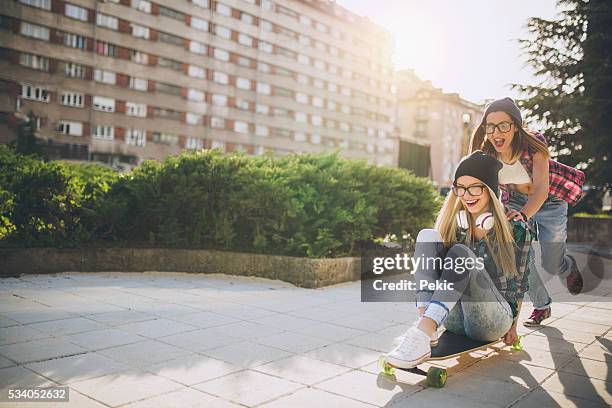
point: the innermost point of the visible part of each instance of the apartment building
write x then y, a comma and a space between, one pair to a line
437, 121
121, 81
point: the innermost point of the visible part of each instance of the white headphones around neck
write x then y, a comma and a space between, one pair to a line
484, 221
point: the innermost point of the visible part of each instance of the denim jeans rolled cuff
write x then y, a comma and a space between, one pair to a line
437, 311
423, 297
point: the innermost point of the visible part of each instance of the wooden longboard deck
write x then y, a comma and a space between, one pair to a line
451, 345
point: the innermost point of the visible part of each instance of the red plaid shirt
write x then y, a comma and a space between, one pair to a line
565, 182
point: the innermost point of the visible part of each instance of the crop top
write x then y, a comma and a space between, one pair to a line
513, 174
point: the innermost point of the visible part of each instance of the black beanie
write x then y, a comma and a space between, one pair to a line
504, 105
483, 167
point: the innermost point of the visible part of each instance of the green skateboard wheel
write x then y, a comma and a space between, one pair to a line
436, 377
518, 345
385, 367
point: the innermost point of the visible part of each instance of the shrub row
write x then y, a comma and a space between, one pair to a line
314, 205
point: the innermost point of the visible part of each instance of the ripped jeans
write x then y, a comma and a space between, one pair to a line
475, 307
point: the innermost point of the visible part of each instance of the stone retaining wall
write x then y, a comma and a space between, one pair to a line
303, 272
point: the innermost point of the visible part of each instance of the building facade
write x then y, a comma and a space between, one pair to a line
443, 122
121, 81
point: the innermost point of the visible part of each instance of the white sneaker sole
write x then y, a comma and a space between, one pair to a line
407, 364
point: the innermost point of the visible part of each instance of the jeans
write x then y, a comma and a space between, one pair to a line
551, 220
474, 307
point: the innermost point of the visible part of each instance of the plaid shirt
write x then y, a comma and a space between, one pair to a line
564, 182
513, 288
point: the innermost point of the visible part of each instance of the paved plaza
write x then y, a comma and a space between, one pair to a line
187, 340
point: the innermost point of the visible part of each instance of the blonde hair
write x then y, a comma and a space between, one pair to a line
522, 139
503, 255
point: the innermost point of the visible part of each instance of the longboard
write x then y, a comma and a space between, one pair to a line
450, 345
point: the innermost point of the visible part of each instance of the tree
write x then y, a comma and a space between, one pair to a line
572, 55
26, 142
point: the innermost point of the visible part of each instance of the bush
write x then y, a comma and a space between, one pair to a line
315, 205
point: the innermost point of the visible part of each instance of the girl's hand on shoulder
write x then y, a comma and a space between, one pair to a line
513, 215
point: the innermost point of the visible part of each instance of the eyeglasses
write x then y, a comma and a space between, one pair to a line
503, 127
474, 190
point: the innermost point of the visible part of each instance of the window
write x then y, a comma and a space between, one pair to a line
104, 104
283, 71
299, 136
305, 20
263, 88
136, 109
197, 48
106, 77
223, 32
140, 31
140, 57
315, 138
305, 40
139, 84
104, 132
319, 45
43, 4
170, 39
199, 24
281, 132
196, 72
321, 27
346, 91
70, 128
177, 15
243, 61
303, 79
104, 20
165, 138
35, 93
301, 117
195, 95
259, 150
194, 143
74, 70
77, 12
219, 100
169, 63
317, 102
34, 61
136, 137
167, 88
243, 83
224, 9
241, 127
301, 98
245, 40
217, 144
263, 67
193, 119
74, 41
283, 92
286, 52
218, 123
166, 113
221, 78
74, 99
345, 109
288, 12
319, 64
34, 31
142, 5
201, 3
242, 104
105, 48
267, 5
316, 120
221, 55
344, 127
331, 105
266, 47
332, 87
303, 59
281, 112
262, 109
261, 130
318, 83
266, 25
246, 18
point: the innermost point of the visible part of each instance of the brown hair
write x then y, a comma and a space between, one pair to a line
523, 139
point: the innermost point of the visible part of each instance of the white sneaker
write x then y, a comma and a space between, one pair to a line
413, 350
434, 336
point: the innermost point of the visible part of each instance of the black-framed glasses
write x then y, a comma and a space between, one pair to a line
474, 190
503, 127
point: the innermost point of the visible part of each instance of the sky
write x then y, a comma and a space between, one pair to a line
468, 46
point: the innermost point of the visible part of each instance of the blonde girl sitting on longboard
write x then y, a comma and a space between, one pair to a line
486, 297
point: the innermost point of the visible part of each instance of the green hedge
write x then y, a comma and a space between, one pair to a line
314, 205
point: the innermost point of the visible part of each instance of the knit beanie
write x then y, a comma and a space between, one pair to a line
504, 105
483, 167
